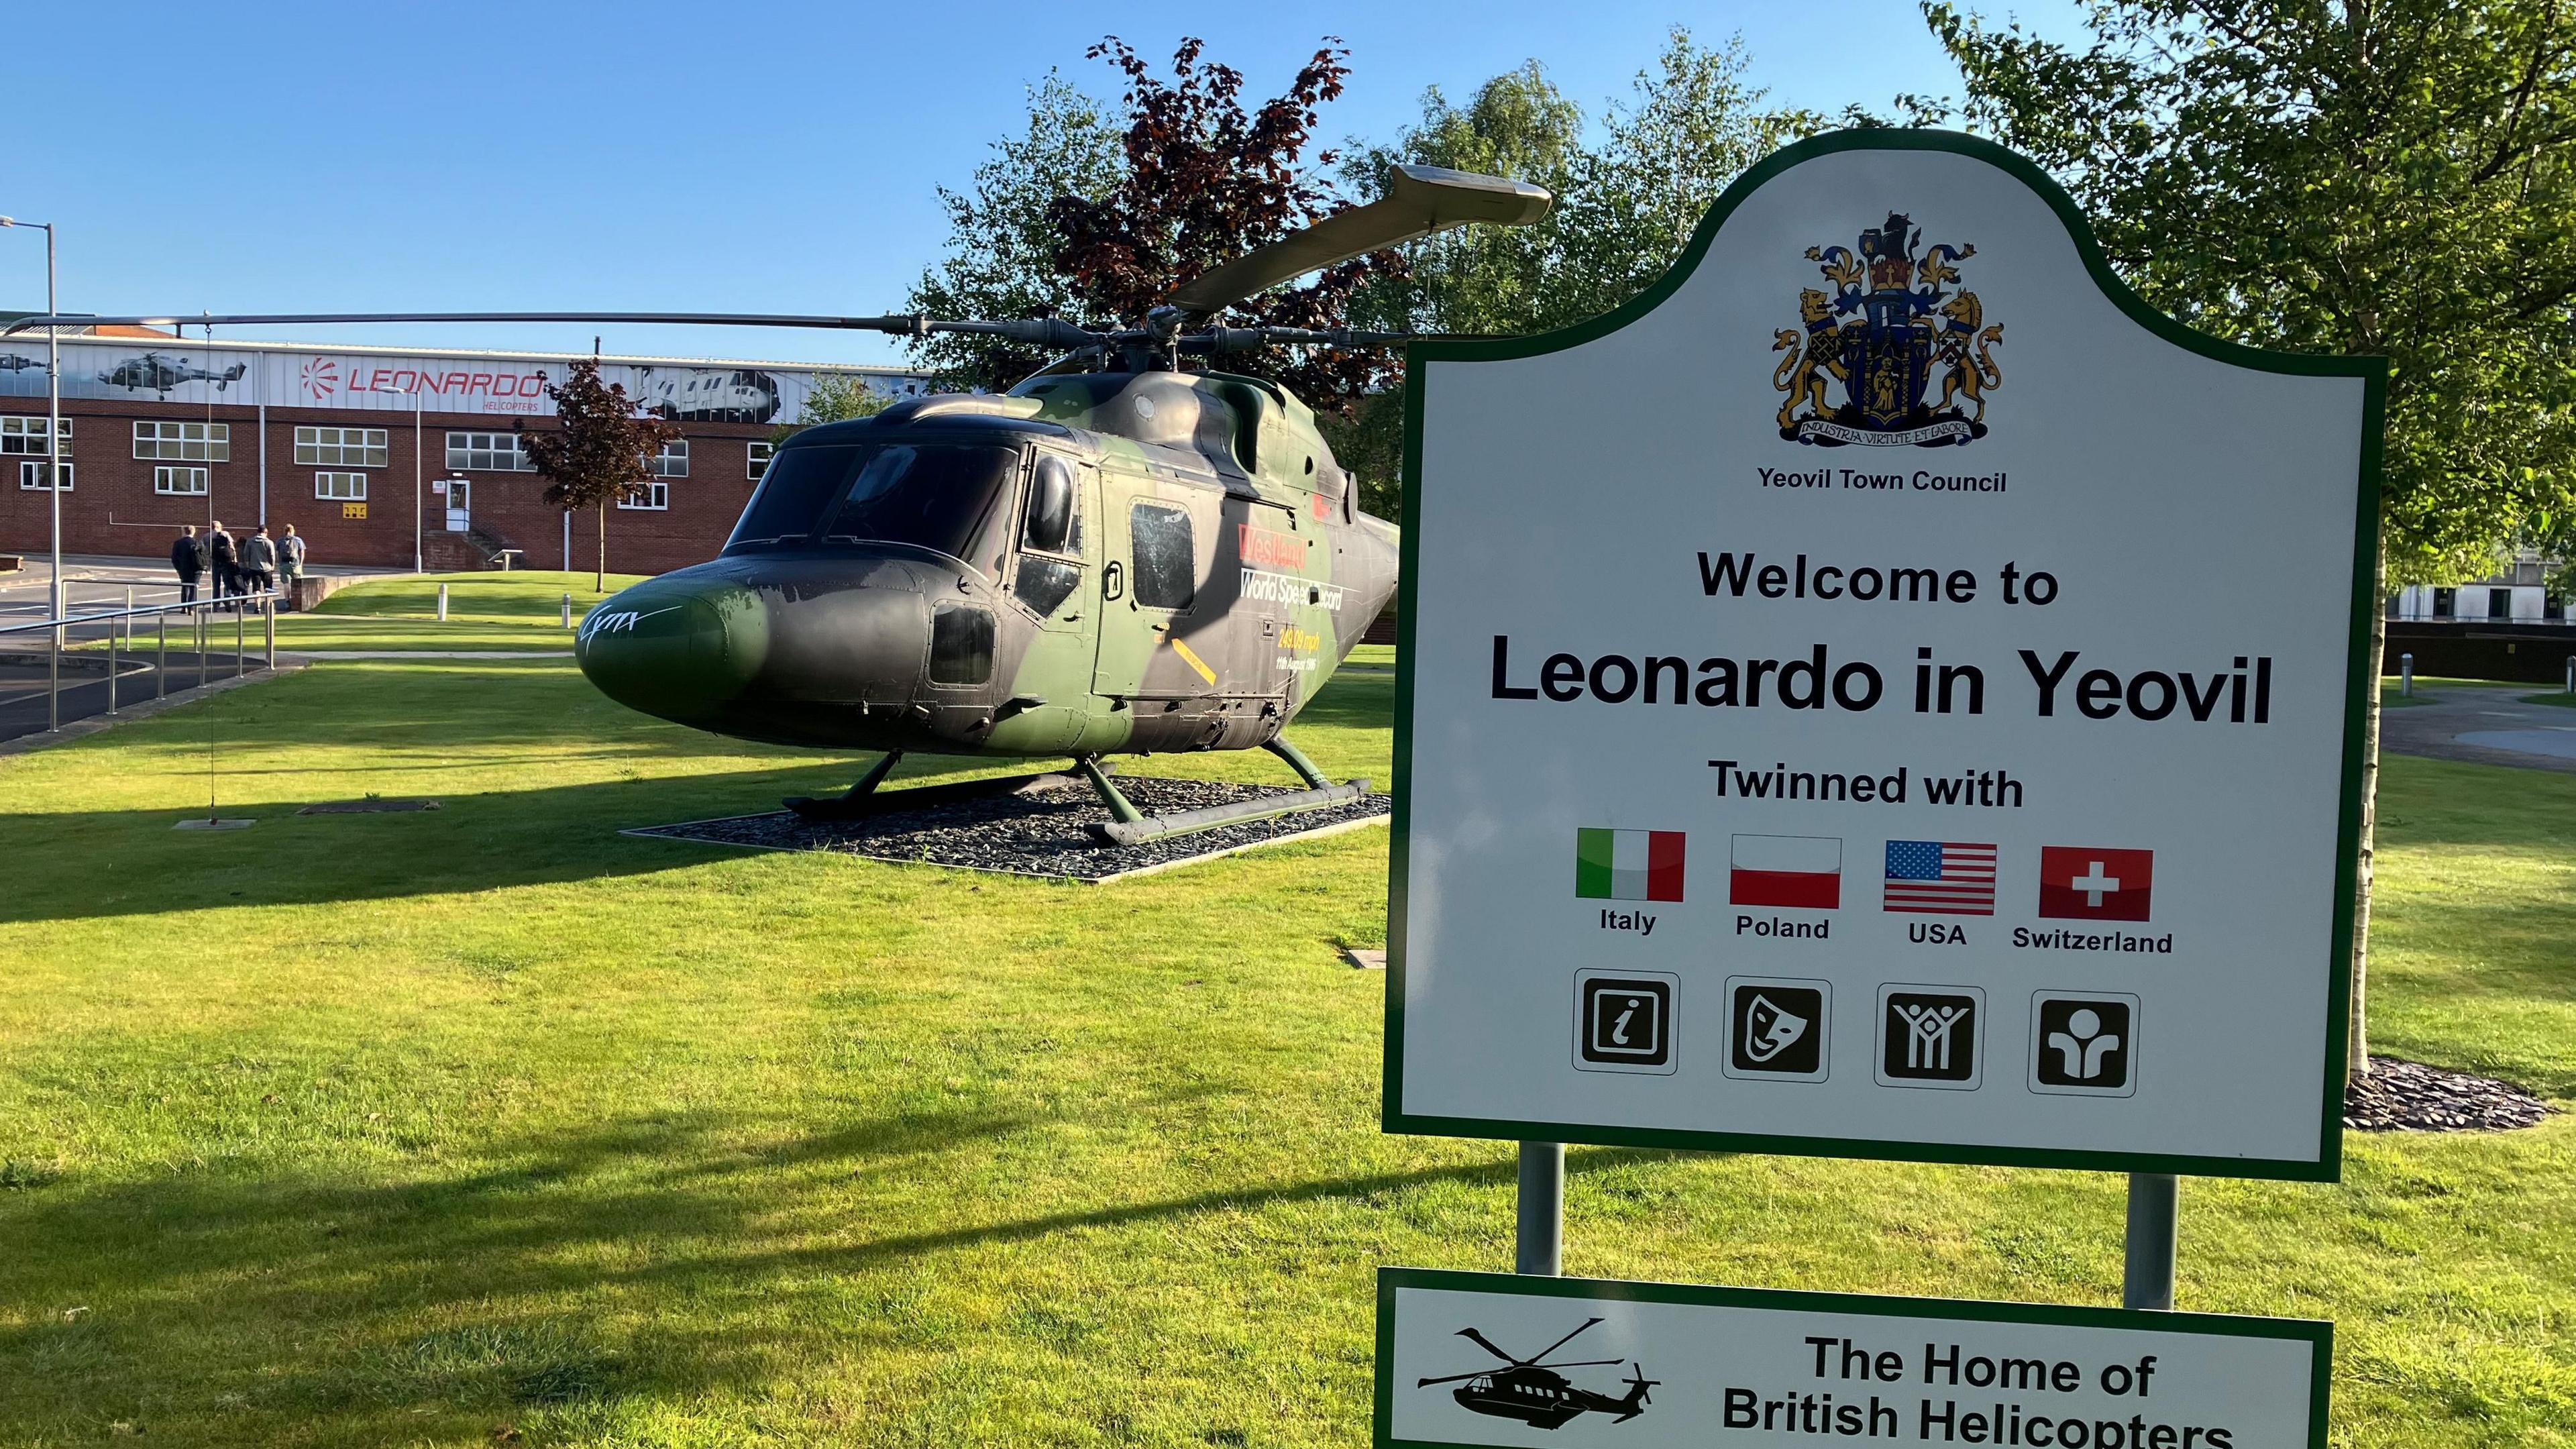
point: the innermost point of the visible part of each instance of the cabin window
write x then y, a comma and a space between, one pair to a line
1052, 523
931, 495
1045, 583
1166, 558
961, 645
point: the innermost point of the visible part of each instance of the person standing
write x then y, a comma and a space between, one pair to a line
258, 562
290, 561
226, 560
188, 561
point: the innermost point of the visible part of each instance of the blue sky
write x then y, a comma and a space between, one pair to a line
776, 158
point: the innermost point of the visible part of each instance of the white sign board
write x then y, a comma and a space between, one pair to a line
1493, 1359
1885, 692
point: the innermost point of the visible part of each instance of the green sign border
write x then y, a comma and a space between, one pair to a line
2362, 675
2318, 1333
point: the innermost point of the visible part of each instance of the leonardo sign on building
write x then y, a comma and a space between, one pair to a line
1814, 732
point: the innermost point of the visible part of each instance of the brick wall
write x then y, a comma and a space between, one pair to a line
112, 508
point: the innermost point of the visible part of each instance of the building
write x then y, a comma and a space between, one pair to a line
2520, 594
159, 431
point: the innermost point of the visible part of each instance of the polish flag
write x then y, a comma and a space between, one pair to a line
1800, 871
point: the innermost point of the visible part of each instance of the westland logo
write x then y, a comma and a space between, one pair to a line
1891, 322
321, 376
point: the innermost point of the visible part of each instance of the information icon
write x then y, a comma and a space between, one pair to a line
1776, 1028
1623, 1022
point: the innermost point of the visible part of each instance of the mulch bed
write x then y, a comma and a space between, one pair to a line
1037, 833
2403, 1096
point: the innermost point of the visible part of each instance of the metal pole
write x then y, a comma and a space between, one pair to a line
268, 618
2147, 1275
2571, 674
111, 651
161, 664
415, 479
202, 628
54, 476
1539, 1238
241, 641
567, 611
2405, 675
442, 603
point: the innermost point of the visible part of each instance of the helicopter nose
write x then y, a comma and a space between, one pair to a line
675, 647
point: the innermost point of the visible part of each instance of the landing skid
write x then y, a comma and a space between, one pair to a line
863, 801
1129, 826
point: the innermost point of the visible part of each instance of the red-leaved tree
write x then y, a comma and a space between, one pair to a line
1205, 181
602, 449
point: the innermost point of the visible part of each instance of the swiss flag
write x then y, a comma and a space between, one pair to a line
2083, 883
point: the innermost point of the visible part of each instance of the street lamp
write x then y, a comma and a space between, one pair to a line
414, 390
53, 458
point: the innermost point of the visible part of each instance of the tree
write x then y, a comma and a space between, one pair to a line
2365, 177
1001, 251
1627, 203
834, 398
602, 449
1096, 218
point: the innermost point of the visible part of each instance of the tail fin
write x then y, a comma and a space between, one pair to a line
1636, 1402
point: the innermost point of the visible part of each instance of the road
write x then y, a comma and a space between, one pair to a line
2484, 727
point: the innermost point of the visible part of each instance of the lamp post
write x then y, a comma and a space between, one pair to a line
53, 463
414, 390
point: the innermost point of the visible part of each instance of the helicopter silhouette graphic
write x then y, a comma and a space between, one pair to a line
1530, 1390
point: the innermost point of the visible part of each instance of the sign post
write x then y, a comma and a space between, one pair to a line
1884, 692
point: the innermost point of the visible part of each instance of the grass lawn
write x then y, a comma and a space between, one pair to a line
430, 1129
2563, 701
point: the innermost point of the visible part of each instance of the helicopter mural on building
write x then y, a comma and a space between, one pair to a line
1132, 551
153, 372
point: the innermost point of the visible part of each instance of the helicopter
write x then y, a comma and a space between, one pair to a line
1132, 551
160, 374
1533, 1392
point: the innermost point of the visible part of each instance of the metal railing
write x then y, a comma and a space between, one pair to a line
241, 606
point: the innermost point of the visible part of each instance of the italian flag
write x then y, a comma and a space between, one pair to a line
1628, 865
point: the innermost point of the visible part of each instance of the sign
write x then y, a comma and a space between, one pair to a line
177, 370
353, 510
1884, 692
1495, 1359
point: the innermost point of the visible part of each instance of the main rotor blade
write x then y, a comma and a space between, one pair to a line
1419, 200
271, 319
1560, 1343
1480, 1341
1581, 1363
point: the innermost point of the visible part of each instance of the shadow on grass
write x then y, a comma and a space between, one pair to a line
344, 1309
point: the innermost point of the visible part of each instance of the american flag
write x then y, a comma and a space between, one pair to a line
1940, 878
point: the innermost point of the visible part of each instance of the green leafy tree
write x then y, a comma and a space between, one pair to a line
2365, 177
1628, 199
834, 398
1001, 256
602, 448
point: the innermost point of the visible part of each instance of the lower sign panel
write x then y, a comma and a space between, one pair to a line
1497, 1359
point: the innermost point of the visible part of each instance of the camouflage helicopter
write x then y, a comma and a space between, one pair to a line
1131, 551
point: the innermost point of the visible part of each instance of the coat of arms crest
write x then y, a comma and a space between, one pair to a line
1893, 321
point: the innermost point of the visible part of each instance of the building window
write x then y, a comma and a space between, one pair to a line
27, 436
654, 494
345, 487
487, 453
31, 475
673, 460
761, 453
185, 442
340, 447
179, 482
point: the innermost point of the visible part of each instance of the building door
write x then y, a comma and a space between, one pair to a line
460, 504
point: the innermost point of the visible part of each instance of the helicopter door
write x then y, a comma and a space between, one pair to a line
1051, 577
1156, 543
